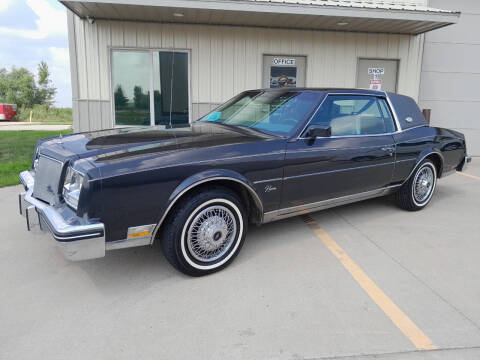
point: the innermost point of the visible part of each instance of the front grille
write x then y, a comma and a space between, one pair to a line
47, 180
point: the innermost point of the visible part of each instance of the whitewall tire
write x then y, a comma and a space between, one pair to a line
418, 190
205, 231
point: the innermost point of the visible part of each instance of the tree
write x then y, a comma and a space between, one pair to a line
45, 92
120, 99
141, 100
17, 87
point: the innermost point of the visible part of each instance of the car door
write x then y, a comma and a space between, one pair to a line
357, 158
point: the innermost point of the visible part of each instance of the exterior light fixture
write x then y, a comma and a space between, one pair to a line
179, 15
342, 23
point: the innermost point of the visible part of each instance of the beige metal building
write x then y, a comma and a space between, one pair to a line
170, 61
450, 78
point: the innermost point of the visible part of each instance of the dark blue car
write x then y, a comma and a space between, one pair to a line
263, 156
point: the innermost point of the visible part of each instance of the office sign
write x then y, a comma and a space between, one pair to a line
283, 61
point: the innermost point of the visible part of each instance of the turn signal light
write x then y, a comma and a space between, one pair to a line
138, 234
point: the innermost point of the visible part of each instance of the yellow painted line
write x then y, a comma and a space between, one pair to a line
468, 175
398, 317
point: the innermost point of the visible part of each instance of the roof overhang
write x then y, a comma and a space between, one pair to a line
334, 15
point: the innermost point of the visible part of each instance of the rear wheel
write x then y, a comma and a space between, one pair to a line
417, 192
205, 231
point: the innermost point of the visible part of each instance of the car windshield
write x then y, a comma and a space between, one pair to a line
273, 112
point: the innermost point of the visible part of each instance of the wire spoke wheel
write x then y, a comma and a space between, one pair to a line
211, 233
423, 184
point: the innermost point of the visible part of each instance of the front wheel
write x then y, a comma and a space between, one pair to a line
205, 231
417, 192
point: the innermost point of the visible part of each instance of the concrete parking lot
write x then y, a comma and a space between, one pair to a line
366, 281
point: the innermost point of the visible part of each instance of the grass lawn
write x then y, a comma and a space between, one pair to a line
16, 152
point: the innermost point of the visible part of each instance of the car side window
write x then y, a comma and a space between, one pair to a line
387, 115
354, 115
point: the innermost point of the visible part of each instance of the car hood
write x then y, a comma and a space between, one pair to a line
134, 141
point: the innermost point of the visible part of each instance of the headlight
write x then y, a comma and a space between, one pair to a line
72, 187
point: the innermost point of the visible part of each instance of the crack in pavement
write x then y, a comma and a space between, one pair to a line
407, 352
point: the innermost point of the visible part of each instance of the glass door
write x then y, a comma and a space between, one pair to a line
170, 88
151, 88
131, 87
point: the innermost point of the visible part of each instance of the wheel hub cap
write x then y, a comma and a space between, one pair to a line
211, 233
423, 185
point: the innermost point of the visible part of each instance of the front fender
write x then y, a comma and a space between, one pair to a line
211, 175
203, 178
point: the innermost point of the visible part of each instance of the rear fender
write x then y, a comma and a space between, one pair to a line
436, 154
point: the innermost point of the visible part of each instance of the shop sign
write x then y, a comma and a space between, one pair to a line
376, 71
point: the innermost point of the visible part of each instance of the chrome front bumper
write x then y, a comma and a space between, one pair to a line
77, 238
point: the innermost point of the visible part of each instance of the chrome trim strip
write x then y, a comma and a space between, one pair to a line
325, 204
405, 160
179, 195
268, 180
335, 171
393, 111
127, 243
50, 158
318, 149
350, 136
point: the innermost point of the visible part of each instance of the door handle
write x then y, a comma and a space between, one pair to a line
389, 149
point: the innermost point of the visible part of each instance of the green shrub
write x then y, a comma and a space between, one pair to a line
45, 113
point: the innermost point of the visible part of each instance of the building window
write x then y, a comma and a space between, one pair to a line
150, 88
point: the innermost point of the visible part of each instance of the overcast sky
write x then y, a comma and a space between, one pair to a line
36, 30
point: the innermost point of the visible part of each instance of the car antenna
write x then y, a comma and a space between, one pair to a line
171, 86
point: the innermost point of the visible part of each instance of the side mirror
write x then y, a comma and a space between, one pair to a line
319, 131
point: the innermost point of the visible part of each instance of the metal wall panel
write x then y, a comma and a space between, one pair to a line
451, 72
451, 57
95, 115
448, 86
106, 114
226, 60
84, 117
467, 29
81, 54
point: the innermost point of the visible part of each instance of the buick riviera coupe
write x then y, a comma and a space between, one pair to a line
265, 155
